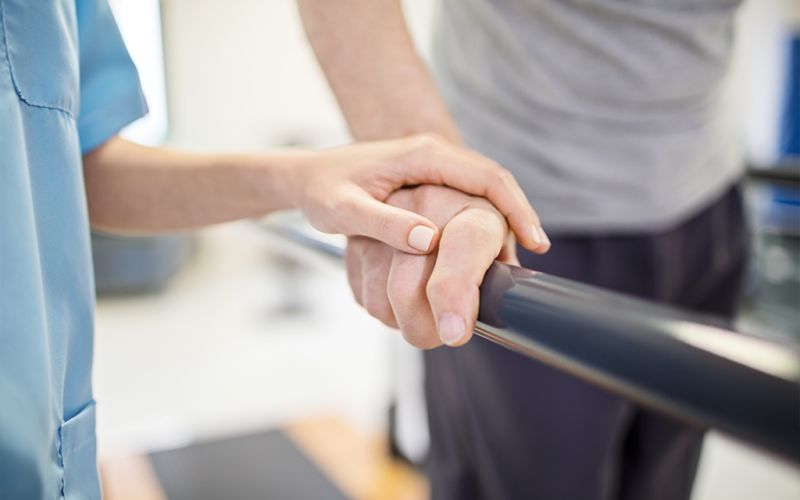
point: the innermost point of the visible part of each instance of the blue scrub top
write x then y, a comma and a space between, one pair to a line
67, 85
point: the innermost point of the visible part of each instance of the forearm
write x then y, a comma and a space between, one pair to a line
136, 188
341, 190
368, 57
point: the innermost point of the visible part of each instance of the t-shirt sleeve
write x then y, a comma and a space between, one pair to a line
111, 96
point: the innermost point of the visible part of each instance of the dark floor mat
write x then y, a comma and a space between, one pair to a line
261, 466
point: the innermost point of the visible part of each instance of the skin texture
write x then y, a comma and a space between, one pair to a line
367, 55
342, 190
385, 91
409, 291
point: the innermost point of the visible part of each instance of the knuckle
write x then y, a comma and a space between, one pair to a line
429, 140
437, 289
422, 147
446, 288
482, 231
502, 175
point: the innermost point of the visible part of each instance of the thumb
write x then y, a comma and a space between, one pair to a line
363, 215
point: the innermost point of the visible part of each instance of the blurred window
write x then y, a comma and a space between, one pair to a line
140, 24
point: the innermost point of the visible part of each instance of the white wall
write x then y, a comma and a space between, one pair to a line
139, 23
242, 74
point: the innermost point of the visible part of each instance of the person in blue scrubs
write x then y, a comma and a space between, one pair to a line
67, 86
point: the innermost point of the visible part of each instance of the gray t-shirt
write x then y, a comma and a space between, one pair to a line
610, 113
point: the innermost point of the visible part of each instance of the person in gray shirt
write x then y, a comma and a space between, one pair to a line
610, 113
612, 116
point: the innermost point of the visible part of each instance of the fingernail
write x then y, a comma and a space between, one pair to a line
420, 238
545, 239
451, 328
536, 237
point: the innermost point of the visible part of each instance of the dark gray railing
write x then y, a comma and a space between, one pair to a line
682, 364
685, 365
788, 172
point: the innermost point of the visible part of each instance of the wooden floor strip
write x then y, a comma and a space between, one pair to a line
360, 466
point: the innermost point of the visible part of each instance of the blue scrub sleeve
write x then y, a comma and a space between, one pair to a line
111, 96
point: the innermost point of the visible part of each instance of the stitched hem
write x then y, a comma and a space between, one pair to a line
103, 123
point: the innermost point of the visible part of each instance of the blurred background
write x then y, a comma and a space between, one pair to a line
233, 330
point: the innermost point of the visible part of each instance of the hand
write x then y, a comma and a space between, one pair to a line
342, 190
432, 298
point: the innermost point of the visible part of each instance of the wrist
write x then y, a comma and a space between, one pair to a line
263, 182
291, 173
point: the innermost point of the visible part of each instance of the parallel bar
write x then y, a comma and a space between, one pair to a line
678, 363
682, 364
788, 173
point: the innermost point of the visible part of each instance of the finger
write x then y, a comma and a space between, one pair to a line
523, 220
361, 214
353, 255
517, 220
376, 262
407, 293
544, 247
484, 178
508, 253
469, 244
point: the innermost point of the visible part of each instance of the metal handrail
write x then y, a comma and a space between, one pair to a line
683, 364
686, 365
788, 172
